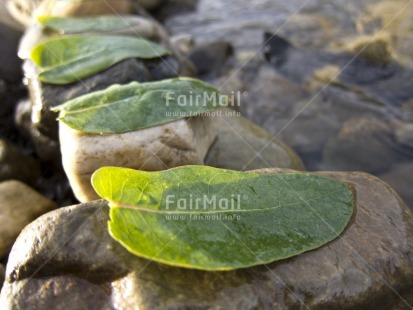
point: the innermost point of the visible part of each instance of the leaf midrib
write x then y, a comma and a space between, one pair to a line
143, 209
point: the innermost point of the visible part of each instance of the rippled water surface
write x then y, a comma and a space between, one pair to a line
242, 22
342, 97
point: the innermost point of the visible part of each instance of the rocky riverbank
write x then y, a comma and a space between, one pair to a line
316, 85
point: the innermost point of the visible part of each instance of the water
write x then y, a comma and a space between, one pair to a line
242, 22
361, 121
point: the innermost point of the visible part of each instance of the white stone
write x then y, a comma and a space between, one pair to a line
182, 142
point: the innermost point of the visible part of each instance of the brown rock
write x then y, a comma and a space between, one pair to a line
364, 144
368, 267
16, 165
242, 145
19, 205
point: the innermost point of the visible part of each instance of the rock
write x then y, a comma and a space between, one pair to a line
182, 142
309, 30
367, 267
364, 144
10, 94
307, 115
20, 10
404, 133
24, 10
150, 4
242, 22
15, 165
380, 16
281, 107
400, 176
44, 96
7, 19
184, 43
19, 206
209, 59
11, 88
1, 275
170, 8
67, 290
364, 67
10, 70
242, 145
84, 8
46, 148
22, 117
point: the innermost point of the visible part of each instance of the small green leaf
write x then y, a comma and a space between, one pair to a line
122, 108
215, 219
68, 59
71, 25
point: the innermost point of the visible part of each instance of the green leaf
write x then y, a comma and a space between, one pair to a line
70, 25
68, 59
171, 217
122, 108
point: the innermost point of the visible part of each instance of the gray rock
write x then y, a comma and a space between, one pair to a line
47, 149
310, 30
242, 22
242, 145
150, 4
10, 92
15, 165
308, 116
10, 69
281, 107
19, 205
404, 133
22, 117
183, 43
45, 96
209, 59
11, 88
367, 267
400, 176
364, 144
369, 71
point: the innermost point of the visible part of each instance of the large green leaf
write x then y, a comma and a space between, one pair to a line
122, 108
67, 59
170, 216
71, 25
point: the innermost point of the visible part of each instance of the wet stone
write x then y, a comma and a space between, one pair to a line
242, 145
16, 165
10, 69
19, 205
209, 59
45, 96
364, 144
367, 267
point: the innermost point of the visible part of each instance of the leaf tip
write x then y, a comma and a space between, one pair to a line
42, 19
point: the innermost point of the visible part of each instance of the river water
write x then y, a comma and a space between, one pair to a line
242, 22
360, 121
